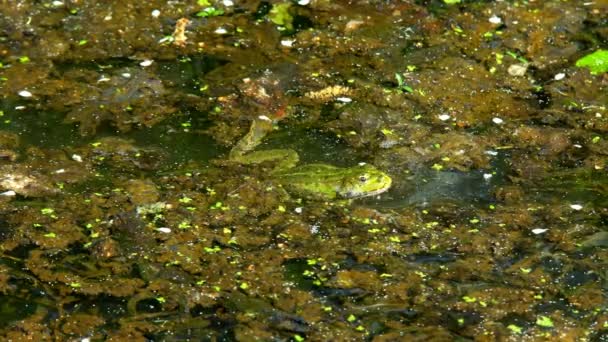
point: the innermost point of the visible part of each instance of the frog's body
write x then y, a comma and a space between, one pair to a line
328, 181
313, 180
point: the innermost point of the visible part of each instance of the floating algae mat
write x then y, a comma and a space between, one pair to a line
135, 205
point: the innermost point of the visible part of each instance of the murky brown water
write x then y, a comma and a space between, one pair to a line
122, 217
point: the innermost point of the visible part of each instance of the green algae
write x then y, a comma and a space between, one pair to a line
596, 62
122, 219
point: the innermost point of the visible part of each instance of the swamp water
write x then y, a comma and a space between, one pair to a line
122, 217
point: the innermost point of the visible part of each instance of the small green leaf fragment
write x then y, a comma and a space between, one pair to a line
468, 299
185, 200
298, 338
212, 250
451, 2
515, 329
184, 225
279, 15
210, 12
308, 273
351, 318
399, 79
75, 285
24, 59
544, 321
47, 211
596, 62
244, 286
50, 235
387, 131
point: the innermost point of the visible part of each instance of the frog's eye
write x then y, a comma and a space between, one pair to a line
363, 178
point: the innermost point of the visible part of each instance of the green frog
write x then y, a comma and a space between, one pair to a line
320, 181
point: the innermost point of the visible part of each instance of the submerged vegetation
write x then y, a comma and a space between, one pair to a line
131, 208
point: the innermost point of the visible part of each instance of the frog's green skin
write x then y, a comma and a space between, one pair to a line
321, 181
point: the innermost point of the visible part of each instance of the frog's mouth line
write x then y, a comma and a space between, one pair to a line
353, 194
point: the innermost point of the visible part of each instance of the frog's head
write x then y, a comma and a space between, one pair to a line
364, 180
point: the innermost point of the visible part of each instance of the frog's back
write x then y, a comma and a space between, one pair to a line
312, 180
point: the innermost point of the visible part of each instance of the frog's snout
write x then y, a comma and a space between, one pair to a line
374, 185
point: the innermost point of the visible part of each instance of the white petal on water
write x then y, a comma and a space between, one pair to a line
146, 62
287, 42
77, 158
539, 230
559, 76
9, 193
298, 210
165, 230
25, 93
497, 121
576, 206
495, 20
444, 117
156, 13
517, 69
